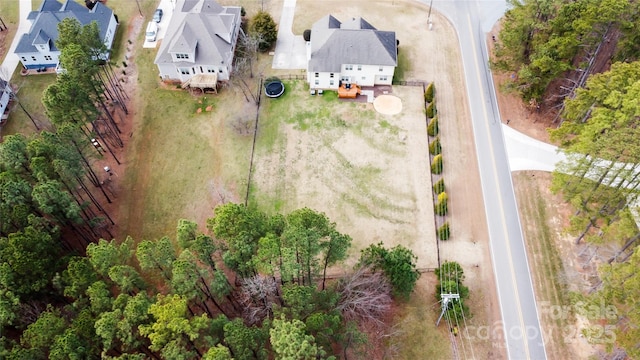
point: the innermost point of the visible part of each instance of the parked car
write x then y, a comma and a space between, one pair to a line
152, 31
157, 16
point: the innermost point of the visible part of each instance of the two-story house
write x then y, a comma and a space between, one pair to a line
37, 48
201, 39
351, 52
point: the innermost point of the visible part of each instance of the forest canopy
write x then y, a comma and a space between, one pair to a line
253, 286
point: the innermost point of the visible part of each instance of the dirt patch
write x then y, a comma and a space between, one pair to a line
388, 105
112, 181
526, 118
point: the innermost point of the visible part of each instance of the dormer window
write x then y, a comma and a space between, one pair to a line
182, 56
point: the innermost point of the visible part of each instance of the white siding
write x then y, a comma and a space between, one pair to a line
175, 72
363, 75
111, 31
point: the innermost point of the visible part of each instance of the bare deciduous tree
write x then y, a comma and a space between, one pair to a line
257, 295
364, 295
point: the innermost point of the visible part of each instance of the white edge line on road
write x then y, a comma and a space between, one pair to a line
495, 274
504, 225
526, 257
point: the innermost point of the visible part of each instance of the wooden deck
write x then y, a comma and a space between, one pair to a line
350, 93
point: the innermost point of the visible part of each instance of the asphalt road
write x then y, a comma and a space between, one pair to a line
520, 322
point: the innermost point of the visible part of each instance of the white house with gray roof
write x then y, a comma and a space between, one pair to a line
201, 39
37, 48
351, 52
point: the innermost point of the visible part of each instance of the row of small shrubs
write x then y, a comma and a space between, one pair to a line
435, 148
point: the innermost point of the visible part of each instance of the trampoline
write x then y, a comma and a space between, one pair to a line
274, 89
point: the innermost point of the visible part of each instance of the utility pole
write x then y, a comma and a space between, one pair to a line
446, 298
429, 16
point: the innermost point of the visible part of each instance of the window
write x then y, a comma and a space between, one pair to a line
348, 67
317, 82
47, 57
33, 58
182, 56
184, 71
317, 74
383, 78
24, 59
211, 70
331, 75
364, 78
220, 70
380, 69
359, 67
331, 82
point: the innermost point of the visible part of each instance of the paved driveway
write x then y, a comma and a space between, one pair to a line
167, 9
11, 61
291, 50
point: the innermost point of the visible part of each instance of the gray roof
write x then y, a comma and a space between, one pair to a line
353, 42
202, 25
51, 12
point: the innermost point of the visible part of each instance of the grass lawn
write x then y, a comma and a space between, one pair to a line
544, 257
365, 170
181, 163
29, 92
418, 338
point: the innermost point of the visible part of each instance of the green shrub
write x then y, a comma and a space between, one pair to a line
433, 128
431, 110
436, 165
435, 148
440, 208
438, 187
444, 232
265, 28
429, 93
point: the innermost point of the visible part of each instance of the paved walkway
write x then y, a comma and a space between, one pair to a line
11, 61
